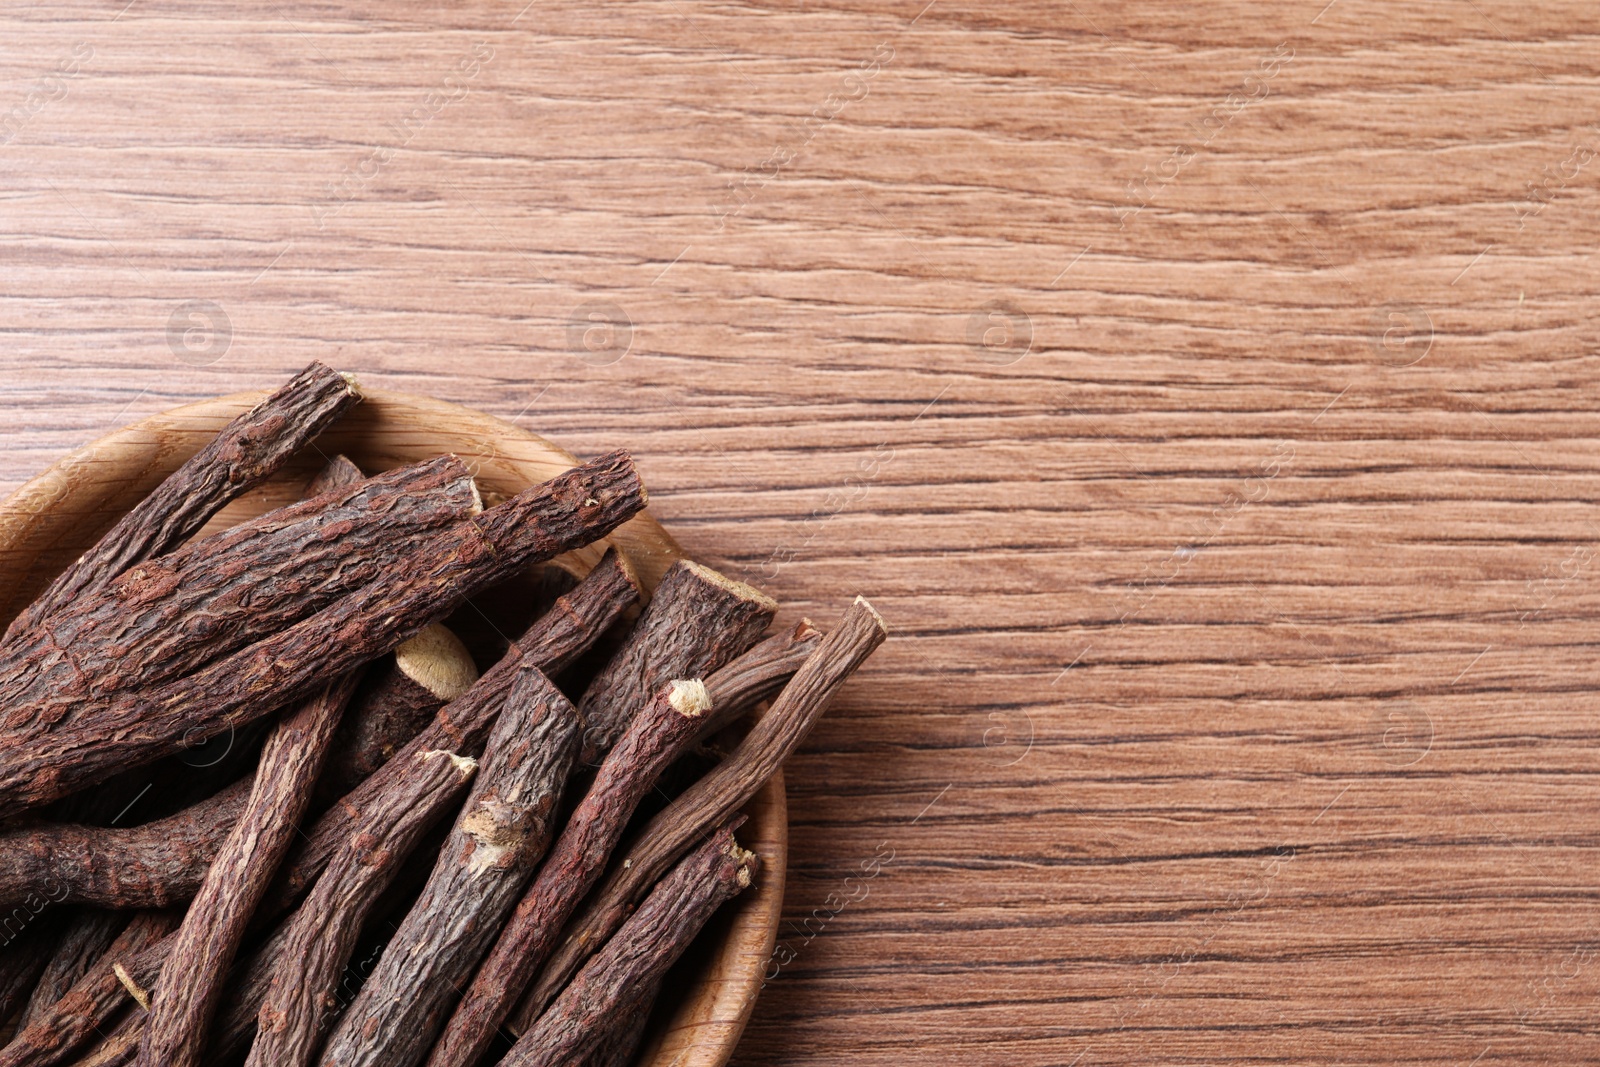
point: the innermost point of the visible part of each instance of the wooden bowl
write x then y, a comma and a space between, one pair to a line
53, 518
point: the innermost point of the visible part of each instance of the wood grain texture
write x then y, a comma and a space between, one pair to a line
1284, 440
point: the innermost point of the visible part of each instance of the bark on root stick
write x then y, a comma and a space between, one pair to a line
149, 866
191, 980
247, 452
90, 933
757, 675
400, 695
118, 1048
50, 748
735, 689
168, 617
301, 1003
498, 840
638, 955
432, 782
58, 1033
710, 801
164, 863
696, 621
108, 804
26, 953
236, 1024
660, 732
619, 1043
556, 639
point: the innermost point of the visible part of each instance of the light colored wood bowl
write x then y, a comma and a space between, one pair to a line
53, 518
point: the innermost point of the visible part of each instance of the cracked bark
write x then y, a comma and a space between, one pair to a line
301, 1000
201, 773
381, 841
551, 643
496, 843
637, 956
56, 1034
204, 947
171, 616
150, 866
710, 801
657, 735
696, 621
53, 746
90, 932
247, 452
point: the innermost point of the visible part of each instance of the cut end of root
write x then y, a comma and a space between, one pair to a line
739, 589
355, 386
340, 471
689, 697
134, 989
437, 660
805, 629
748, 862
862, 601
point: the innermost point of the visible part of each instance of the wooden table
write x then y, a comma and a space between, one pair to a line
1205, 392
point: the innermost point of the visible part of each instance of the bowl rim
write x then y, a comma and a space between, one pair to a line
76, 493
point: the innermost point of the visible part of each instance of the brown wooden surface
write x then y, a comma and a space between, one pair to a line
1270, 415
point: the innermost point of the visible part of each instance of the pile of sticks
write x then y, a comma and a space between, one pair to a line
402, 861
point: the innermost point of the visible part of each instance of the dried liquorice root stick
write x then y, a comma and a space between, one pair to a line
55, 1035
89, 934
556, 639
51, 747
247, 451
236, 1023
424, 792
119, 1047
26, 951
168, 617
658, 734
200, 774
638, 955
496, 843
164, 862
696, 621
191, 979
621, 1037
301, 1001
400, 695
757, 675
710, 801
149, 866
736, 688
203, 772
